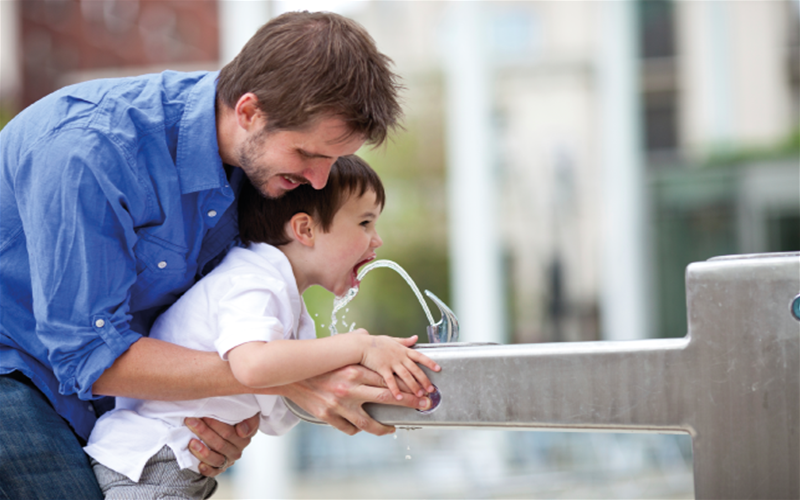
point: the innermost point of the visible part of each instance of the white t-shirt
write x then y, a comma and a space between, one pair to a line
251, 296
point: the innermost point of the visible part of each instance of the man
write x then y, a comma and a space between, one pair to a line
117, 195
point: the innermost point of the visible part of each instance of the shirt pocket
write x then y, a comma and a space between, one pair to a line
161, 273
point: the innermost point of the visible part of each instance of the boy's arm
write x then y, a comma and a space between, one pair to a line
281, 362
262, 365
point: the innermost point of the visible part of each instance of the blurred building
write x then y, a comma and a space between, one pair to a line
59, 42
719, 106
719, 110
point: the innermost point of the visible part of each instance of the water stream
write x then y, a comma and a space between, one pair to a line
340, 302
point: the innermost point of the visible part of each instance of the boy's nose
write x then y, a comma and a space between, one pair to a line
376, 241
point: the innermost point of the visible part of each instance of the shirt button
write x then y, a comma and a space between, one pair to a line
162, 264
100, 323
90, 407
212, 213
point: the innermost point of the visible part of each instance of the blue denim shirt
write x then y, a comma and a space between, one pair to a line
113, 202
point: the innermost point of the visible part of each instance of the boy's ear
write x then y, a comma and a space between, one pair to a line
302, 229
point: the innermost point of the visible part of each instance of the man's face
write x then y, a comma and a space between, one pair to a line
277, 162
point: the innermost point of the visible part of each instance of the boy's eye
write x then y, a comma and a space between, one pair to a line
366, 223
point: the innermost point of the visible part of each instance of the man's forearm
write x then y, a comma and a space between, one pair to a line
154, 369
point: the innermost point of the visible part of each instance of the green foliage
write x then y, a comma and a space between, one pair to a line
726, 157
5, 117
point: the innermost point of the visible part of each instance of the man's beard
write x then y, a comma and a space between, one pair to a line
249, 154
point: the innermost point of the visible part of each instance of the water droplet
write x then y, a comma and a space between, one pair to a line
395, 436
408, 457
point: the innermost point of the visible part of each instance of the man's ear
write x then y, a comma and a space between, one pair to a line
303, 229
248, 115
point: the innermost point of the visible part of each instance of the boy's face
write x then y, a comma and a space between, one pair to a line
350, 243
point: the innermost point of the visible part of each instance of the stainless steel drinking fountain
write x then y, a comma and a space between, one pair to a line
732, 383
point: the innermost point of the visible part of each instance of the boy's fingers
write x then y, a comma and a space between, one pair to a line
371, 379
424, 360
391, 383
412, 339
419, 377
406, 376
406, 341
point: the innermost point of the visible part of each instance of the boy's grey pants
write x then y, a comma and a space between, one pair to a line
161, 479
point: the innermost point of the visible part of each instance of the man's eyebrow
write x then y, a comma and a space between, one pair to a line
309, 154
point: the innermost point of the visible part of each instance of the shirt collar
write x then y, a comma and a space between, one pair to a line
198, 162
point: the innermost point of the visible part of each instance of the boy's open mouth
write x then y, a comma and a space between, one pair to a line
354, 276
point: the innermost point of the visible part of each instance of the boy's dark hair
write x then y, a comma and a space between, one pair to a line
304, 65
263, 220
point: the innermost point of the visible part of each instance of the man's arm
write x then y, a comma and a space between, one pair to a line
159, 370
154, 369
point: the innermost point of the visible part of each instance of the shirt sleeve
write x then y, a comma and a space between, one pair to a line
75, 193
252, 310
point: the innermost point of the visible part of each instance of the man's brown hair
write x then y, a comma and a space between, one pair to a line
263, 220
302, 65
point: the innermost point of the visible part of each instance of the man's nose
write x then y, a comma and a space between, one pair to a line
317, 175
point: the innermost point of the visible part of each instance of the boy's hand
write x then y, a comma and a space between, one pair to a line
390, 356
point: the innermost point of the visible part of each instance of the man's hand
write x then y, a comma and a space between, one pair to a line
337, 398
220, 445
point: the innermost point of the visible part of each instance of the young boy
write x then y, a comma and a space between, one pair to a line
250, 310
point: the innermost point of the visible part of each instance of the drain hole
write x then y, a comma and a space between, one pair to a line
436, 400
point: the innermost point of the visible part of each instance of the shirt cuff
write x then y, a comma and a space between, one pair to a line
84, 372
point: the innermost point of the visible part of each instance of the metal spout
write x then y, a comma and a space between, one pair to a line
446, 330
